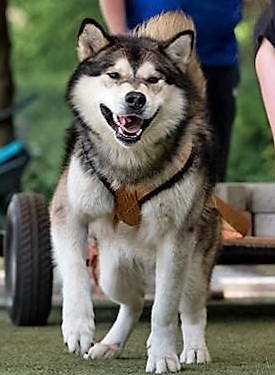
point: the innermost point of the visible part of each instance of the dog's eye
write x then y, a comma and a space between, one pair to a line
113, 75
152, 80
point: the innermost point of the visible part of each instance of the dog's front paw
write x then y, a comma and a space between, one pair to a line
161, 365
104, 351
161, 348
195, 355
78, 333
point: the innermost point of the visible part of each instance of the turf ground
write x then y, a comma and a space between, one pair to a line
241, 339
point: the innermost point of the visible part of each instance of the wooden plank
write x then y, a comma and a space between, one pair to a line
248, 251
250, 241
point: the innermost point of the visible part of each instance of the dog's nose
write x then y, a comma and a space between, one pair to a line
135, 100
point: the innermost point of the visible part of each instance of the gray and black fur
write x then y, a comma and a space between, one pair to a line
136, 49
141, 136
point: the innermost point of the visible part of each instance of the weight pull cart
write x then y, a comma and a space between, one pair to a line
25, 241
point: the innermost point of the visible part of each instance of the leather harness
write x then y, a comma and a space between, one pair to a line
128, 202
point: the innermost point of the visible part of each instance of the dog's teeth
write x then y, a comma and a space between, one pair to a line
119, 120
115, 119
124, 134
122, 120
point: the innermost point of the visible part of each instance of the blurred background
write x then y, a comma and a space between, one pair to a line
42, 58
43, 38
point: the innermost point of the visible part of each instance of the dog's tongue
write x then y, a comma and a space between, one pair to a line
130, 124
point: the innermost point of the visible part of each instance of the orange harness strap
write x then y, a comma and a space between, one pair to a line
235, 223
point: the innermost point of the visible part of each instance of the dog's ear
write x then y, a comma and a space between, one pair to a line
91, 39
180, 47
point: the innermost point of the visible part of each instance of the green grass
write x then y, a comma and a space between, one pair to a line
241, 342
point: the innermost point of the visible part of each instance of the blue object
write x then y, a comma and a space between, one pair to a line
215, 21
9, 151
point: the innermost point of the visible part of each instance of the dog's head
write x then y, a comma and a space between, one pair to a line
130, 87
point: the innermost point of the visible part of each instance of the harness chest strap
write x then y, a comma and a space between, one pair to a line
128, 202
128, 208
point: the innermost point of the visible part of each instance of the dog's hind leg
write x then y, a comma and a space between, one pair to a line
122, 283
113, 343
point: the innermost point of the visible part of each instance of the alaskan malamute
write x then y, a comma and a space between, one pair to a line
138, 175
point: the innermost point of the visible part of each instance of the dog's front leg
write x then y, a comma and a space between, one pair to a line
162, 356
69, 237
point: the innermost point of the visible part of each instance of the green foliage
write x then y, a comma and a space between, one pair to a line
252, 150
49, 35
44, 38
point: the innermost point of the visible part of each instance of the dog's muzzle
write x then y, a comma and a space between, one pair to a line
128, 127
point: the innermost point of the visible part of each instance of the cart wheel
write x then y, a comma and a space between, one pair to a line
28, 262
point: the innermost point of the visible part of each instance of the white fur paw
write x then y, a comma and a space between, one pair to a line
161, 365
78, 334
198, 355
103, 351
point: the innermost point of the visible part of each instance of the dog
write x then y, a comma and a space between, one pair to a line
138, 176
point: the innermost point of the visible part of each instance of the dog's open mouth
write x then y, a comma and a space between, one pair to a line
128, 128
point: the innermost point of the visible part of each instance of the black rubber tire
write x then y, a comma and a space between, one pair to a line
28, 260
